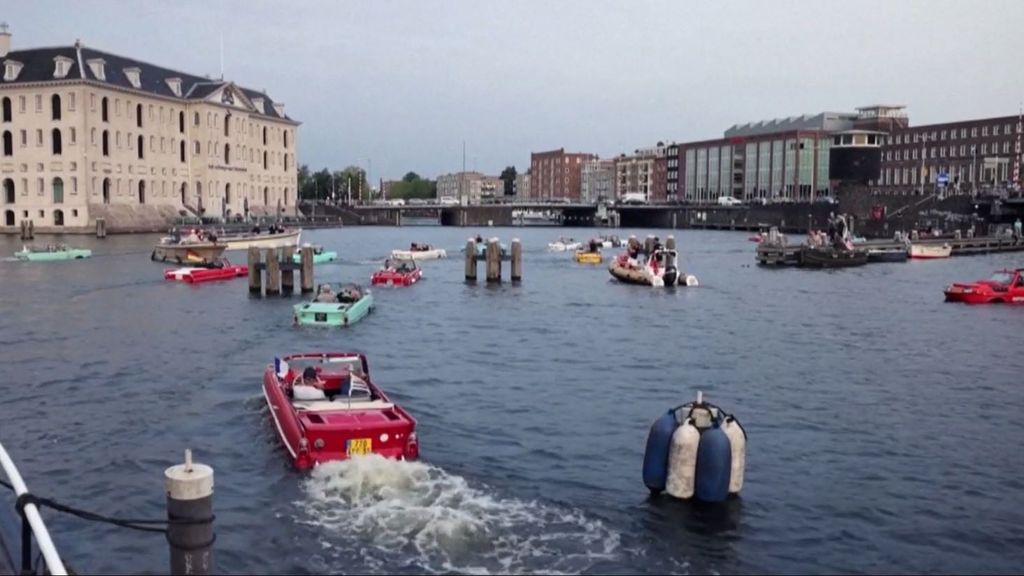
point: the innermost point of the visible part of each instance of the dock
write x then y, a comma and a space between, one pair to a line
776, 254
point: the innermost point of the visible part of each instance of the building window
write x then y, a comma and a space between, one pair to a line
117, 138
152, 143
984, 148
227, 125
74, 137
181, 122
195, 119
1006, 147
104, 109
138, 115
74, 188
181, 150
163, 146
995, 130
151, 112
285, 138
943, 134
39, 102
984, 130
227, 152
974, 132
8, 143
106, 143
195, 148
264, 137
264, 158
141, 147
963, 150
7, 109
58, 191
57, 145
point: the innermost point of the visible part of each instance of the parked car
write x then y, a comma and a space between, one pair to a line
729, 201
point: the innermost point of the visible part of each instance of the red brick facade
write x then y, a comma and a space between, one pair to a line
556, 174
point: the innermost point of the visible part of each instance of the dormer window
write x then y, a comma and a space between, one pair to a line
279, 108
98, 67
175, 85
258, 103
134, 76
11, 70
61, 66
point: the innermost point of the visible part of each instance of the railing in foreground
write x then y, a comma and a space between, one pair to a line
31, 522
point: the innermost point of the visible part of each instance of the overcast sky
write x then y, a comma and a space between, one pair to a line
405, 82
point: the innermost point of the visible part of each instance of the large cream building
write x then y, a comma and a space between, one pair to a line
88, 134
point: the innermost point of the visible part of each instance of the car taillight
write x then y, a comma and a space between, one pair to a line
412, 447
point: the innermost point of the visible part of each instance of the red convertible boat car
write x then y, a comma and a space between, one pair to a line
224, 271
326, 408
1004, 287
397, 273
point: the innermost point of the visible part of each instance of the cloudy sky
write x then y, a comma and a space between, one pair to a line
401, 83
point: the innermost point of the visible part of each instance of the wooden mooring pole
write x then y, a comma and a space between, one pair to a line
273, 273
306, 271
517, 260
670, 242
255, 274
189, 488
470, 260
287, 271
493, 261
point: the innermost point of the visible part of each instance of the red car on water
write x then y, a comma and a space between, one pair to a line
397, 273
325, 407
1004, 287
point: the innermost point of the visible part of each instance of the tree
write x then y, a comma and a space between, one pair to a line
410, 177
508, 176
418, 188
305, 183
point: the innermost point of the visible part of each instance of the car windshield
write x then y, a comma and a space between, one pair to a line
1001, 278
336, 365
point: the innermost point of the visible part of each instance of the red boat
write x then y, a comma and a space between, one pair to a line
1004, 287
337, 413
397, 273
196, 275
756, 238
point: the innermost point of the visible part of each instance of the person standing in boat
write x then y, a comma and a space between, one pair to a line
1017, 230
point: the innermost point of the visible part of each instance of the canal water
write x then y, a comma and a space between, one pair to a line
885, 426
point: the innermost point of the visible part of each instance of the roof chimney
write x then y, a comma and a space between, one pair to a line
5, 40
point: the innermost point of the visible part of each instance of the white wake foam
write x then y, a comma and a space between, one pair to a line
393, 514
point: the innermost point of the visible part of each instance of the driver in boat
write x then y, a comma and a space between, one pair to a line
325, 294
349, 294
309, 386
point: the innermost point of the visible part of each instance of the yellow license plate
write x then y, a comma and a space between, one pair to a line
358, 446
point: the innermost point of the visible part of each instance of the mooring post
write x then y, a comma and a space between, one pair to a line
287, 271
670, 242
306, 272
31, 229
190, 514
273, 273
493, 260
517, 260
101, 227
24, 229
255, 274
470, 260
649, 244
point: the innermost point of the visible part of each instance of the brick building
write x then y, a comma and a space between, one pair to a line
557, 174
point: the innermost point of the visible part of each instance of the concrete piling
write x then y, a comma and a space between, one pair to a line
470, 260
287, 271
273, 273
101, 227
189, 489
517, 260
255, 274
306, 271
493, 260
648, 244
670, 242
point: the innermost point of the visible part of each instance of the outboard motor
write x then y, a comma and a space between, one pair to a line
670, 276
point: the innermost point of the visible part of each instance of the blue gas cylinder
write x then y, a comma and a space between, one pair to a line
714, 464
659, 439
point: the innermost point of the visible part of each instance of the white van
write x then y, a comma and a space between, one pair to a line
448, 201
729, 201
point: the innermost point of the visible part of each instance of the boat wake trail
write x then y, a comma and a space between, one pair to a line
393, 515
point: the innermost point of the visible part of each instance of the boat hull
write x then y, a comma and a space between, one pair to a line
188, 254
244, 242
589, 257
334, 314
829, 258
325, 431
641, 277
56, 256
925, 252
199, 275
393, 278
876, 256
434, 254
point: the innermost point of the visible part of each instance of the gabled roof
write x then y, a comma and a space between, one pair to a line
39, 65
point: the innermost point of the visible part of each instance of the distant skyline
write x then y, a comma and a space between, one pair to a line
404, 83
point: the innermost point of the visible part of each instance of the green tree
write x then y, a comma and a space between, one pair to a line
418, 188
305, 183
410, 177
508, 176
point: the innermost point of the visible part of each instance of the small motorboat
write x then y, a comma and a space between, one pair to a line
831, 257
419, 252
326, 408
1004, 287
224, 270
930, 251
610, 242
278, 238
660, 269
188, 253
397, 273
587, 257
52, 253
756, 238
564, 245
320, 256
349, 305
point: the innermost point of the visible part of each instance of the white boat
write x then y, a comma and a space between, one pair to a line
926, 251
661, 269
422, 252
563, 245
286, 239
